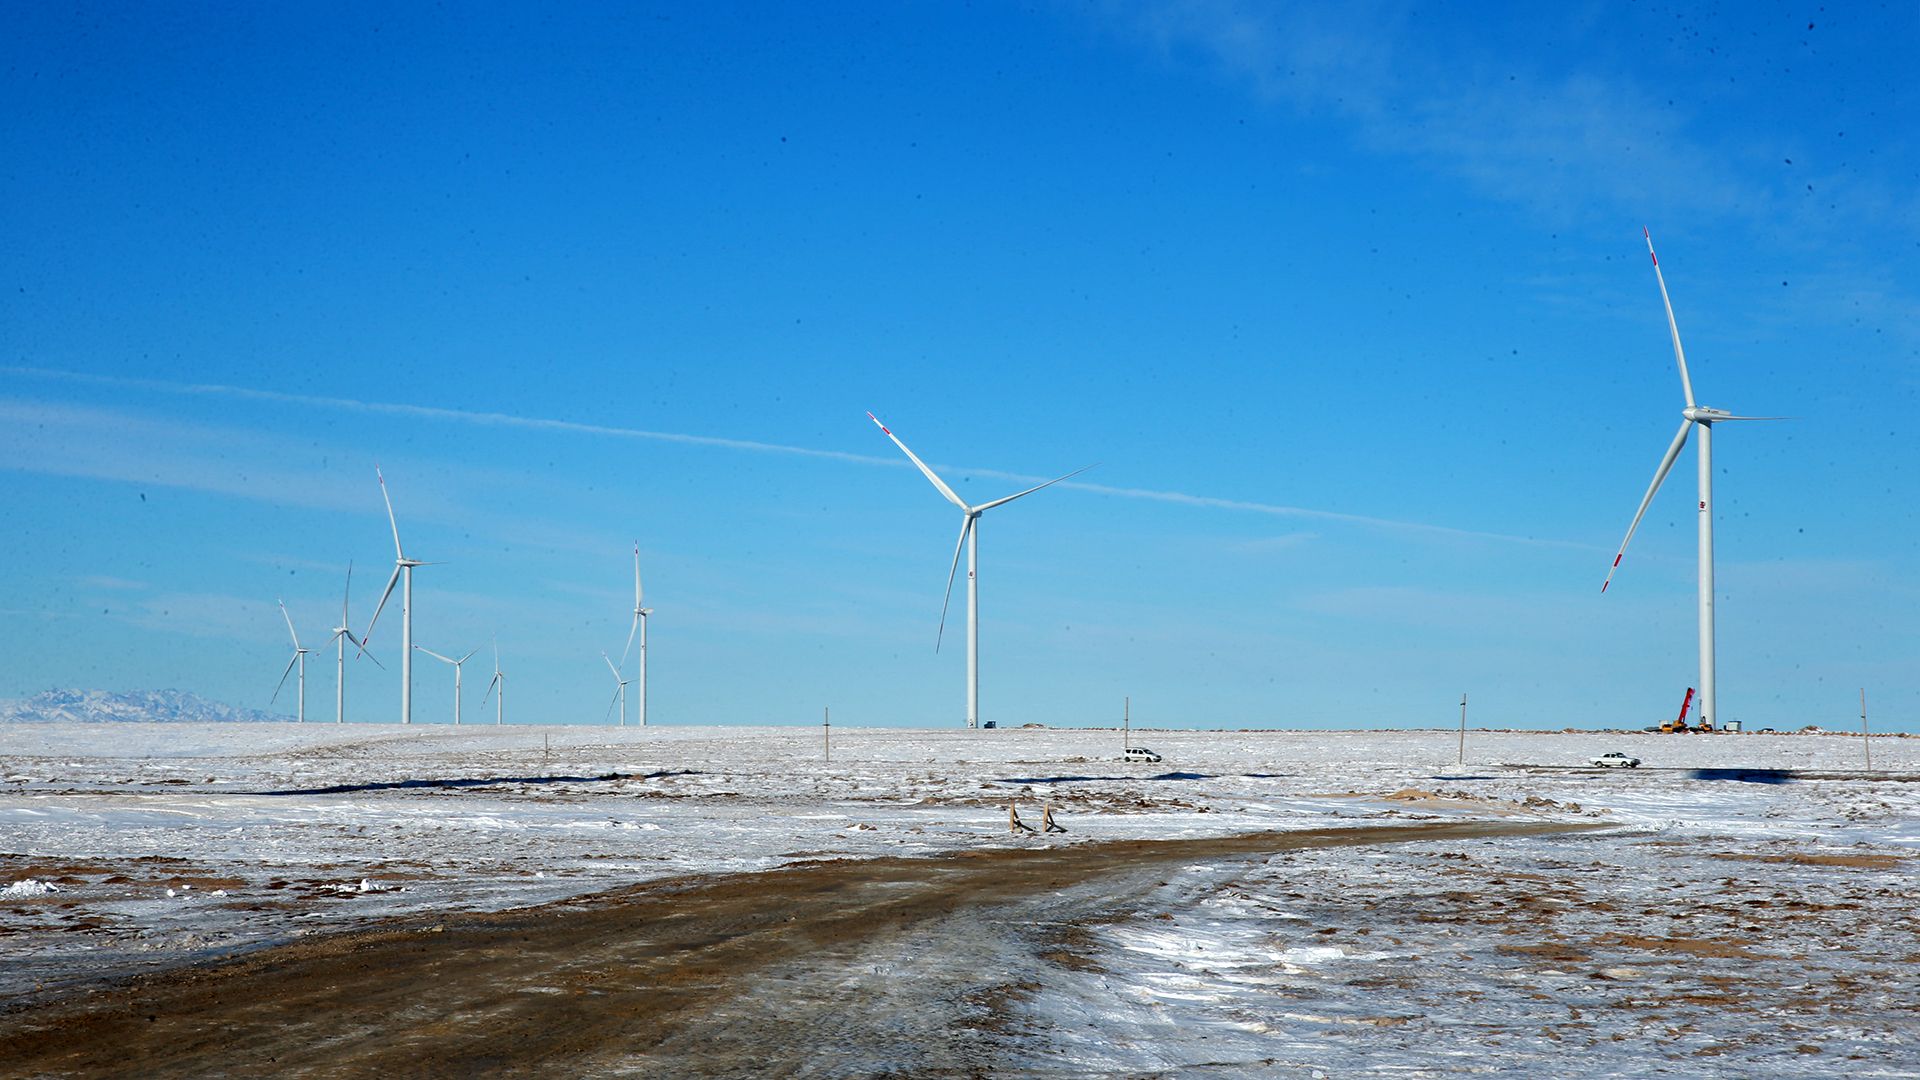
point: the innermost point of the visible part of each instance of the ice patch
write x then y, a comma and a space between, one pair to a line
28, 887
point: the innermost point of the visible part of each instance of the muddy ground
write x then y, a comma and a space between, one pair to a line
874, 967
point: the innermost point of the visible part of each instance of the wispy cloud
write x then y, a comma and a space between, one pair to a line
123, 468
107, 581
1267, 545
1551, 139
112, 444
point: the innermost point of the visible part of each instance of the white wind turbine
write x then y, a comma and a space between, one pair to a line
1693, 416
342, 635
402, 569
456, 675
620, 695
499, 680
640, 613
300, 659
970, 539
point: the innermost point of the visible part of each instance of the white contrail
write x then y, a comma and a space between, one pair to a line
537, 423
430, 412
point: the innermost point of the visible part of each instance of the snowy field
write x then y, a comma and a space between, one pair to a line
1707, 927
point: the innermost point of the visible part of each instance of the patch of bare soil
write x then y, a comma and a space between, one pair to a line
1810, 858
1726, 947
628, 981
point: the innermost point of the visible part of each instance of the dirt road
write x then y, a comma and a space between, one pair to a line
901, 966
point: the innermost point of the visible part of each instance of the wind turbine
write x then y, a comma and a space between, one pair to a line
299, 658
970, 539
456, 675
402, 568
640, 613
342, 635
499, 680
1693, 416
620, 695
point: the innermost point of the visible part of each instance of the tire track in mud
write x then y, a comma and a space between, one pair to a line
872, 967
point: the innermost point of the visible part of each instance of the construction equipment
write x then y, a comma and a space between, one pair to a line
1678, 725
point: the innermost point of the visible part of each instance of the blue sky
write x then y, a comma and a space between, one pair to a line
1349, 303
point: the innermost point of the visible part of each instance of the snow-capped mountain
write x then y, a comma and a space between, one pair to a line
104, 706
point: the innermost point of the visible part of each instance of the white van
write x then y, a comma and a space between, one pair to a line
1139, 753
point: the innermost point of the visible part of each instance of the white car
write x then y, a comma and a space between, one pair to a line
1139, 753
1614, 759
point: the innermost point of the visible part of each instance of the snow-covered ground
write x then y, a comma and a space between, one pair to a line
1717, 926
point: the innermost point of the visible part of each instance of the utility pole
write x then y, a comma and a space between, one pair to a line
1463, 728
1866, 740
1126, 722
826, 731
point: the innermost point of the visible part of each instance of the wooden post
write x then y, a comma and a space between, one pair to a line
1463, 729
1866, 740
1014, 824
826, 731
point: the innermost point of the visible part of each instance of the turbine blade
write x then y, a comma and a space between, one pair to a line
937, 482
496, 657
1679, 354
467, 657
616, 671
283, 679
363, 651
1717, 419
1666, 463
390, 512
1034, 488
630, 632
367, 635
346, 593
490, 686
636, 576
435, 655
614, 700
289, 618
966, 526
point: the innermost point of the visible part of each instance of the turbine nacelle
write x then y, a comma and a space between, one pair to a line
1700, 414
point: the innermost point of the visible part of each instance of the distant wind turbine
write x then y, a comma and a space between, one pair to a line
342, 635
1693, 416
640, 613
300, 659
620, 695
499, 680
970, 539
402, 569
456, 675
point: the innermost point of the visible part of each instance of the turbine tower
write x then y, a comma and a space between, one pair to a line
1693, 416
342, 635
499, 680
640, 613
619, 695
456, 675
402, 569
970, 539
299, 658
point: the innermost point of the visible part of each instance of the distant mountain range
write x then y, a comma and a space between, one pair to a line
103, 706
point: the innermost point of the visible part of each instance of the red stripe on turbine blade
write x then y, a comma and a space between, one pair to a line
1616, 558
1604, 584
